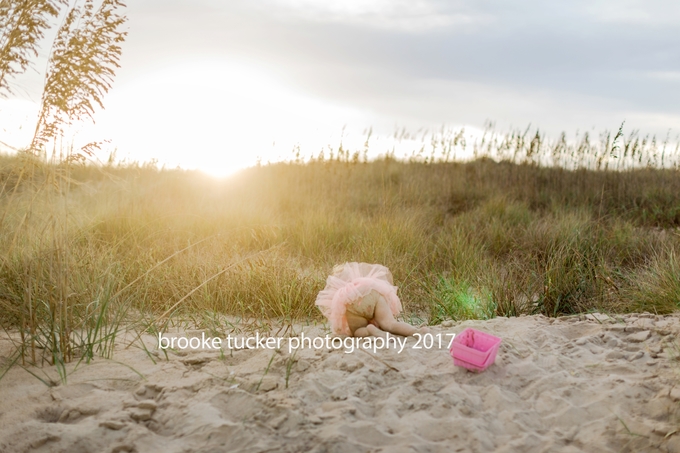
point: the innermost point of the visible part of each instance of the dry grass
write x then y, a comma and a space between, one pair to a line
89, 249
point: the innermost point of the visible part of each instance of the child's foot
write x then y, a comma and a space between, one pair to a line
423, 330
375, 331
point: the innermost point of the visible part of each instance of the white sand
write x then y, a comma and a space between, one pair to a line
567, 385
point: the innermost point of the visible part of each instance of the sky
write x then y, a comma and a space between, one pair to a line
217, 85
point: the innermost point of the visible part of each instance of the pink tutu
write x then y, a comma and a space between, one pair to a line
348, 286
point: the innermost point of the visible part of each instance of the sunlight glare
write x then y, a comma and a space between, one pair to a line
216, 116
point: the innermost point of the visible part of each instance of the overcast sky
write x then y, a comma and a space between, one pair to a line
237, 78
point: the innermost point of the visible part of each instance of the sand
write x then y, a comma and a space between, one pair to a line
576, 384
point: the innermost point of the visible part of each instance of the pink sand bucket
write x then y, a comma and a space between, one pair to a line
474, 350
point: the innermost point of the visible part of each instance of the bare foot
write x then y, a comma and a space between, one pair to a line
375, 331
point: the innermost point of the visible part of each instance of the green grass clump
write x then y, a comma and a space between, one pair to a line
657, 288
458, 301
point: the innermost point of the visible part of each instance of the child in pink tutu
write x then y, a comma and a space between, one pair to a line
360, 300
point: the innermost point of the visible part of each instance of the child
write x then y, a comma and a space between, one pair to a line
361, 300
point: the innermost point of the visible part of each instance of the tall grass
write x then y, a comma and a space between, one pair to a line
90, 249
40, 231
558, 226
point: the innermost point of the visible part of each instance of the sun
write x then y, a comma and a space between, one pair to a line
217, 116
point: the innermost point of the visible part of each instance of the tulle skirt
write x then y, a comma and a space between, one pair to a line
348, 286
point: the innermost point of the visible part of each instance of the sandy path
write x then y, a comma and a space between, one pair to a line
570, 385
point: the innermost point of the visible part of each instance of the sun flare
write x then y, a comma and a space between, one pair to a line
216, 116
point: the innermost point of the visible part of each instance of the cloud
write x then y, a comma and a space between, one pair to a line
634, 12
588, 60
673, 76
400, 15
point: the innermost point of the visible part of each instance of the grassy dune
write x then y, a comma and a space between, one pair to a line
86, 250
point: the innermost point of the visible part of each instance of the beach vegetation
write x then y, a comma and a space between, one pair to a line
134, 246
512, 223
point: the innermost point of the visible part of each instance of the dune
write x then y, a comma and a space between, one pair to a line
588, 383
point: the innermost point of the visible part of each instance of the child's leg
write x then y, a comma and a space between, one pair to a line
362, 328
386, 321
369, 331
356, 324
361, 332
